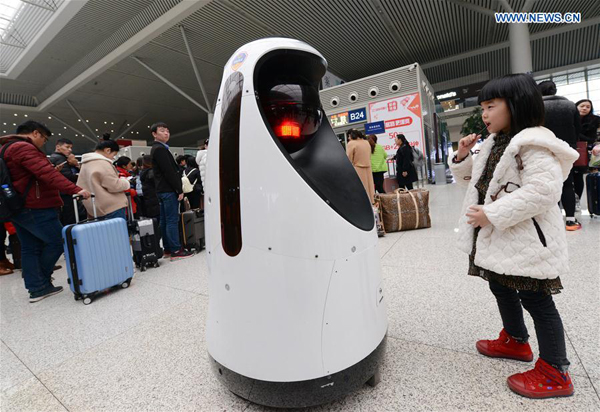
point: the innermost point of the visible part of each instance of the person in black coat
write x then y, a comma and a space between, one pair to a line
65, 162
151, 205
589, 134
562, 118
193, 174
405, 170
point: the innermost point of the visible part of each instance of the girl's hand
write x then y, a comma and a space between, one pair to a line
466, 144
404, 174
477, 217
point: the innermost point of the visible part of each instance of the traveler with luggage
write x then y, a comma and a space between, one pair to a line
378, 162
169, 190
359, 153
124, 166
192, 173
99, 176
562, 118
405, 170
38, 226
201, 158
589, 134
151, 205
65, 162
513, 230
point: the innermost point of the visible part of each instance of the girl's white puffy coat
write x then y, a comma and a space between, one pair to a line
511, 245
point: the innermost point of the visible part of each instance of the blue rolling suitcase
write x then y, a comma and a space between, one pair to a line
592, 182
98, 255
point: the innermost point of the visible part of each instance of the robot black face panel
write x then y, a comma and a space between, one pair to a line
288, 88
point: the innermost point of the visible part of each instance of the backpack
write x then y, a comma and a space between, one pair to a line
11, 202
186, 185
418, 158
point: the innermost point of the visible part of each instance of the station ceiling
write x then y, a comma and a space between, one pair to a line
88, 59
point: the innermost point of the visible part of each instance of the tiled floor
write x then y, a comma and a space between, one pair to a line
143, 349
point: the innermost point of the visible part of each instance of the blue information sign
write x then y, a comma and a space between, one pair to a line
358, 115
374, 128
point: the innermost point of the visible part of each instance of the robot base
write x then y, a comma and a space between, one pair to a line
303, 394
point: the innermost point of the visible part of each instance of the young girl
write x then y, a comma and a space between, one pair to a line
513, 229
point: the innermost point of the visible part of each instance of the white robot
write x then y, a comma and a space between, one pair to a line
297, 315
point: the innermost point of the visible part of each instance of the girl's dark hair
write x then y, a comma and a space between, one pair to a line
402, 138
191, 162
356, 134
106, 143
372, 141
523, 99
122, 161
591, 113
139, 162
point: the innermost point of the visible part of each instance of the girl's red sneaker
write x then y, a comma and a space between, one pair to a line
505, 347
543, 381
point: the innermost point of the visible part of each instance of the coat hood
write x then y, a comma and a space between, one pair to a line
89, 157
542, 137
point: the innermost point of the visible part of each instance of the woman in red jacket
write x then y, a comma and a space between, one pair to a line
124, 166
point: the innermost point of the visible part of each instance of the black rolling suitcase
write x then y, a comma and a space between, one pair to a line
191, 229
592, 182
145, 241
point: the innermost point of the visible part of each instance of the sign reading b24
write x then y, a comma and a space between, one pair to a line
357, 115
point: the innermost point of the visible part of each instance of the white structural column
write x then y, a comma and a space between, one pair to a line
519, 42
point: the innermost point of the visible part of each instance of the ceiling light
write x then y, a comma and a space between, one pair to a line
4, 124
96, 129
49, 117
112, 122
78, 120
65, 127
137, 132
105, 123
76, 135
112, 131
14, 124
60, 134
25, 115
3, 131
128, 124
87, 121
16, 114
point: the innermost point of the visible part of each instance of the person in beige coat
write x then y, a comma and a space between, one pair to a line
100, 177
359, 153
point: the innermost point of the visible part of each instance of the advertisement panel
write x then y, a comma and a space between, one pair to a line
399, 115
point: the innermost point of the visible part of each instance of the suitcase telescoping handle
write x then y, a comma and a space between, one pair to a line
76, 198
129, 207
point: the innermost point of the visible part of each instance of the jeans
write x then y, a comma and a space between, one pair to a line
169, 221
547, 321
40, 233
117, 213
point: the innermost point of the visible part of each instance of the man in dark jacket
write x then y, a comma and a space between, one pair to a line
562, 118
38, 227
169, 191
65, 162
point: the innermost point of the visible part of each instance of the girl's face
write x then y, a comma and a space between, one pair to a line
584, 108
496, 115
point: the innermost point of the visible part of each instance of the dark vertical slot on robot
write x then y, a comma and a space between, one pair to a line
229, 165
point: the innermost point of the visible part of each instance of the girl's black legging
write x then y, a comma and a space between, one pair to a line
548, 324
578, 182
